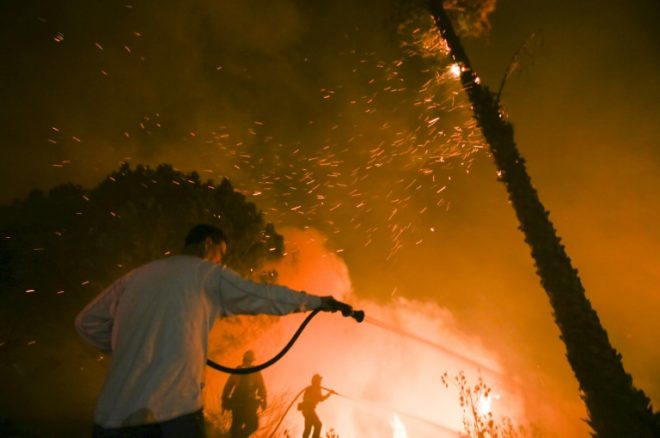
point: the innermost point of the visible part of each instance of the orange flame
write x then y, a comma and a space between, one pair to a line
373, 370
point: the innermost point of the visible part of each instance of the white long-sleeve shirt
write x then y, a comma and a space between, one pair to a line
155, 322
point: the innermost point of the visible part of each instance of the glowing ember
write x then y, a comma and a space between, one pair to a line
455, 70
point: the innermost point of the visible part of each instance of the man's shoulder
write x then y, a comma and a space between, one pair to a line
174, 261
172, 265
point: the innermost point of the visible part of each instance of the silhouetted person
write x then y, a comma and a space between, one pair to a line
155, 322
311, 398
243, 395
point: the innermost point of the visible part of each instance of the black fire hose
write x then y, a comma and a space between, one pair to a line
358, 315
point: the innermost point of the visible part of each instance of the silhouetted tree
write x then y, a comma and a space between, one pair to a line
616, 407
59, 249
74, 241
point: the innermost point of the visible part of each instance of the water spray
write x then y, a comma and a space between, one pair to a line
495, 374
397, 331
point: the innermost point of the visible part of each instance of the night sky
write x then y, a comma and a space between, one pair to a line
320, 113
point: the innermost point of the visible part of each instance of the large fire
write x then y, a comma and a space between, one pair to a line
387, 371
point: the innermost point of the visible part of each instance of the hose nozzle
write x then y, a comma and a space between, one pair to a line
329, 304
358, 315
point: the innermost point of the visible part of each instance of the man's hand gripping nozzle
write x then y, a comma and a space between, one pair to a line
329, 304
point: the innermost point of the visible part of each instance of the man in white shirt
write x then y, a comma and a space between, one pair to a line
155, 322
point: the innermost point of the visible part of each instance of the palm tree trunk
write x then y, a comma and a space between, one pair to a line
615, 407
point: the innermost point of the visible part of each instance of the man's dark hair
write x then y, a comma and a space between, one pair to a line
199, 233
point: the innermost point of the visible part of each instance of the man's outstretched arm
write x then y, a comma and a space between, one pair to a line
242, 296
